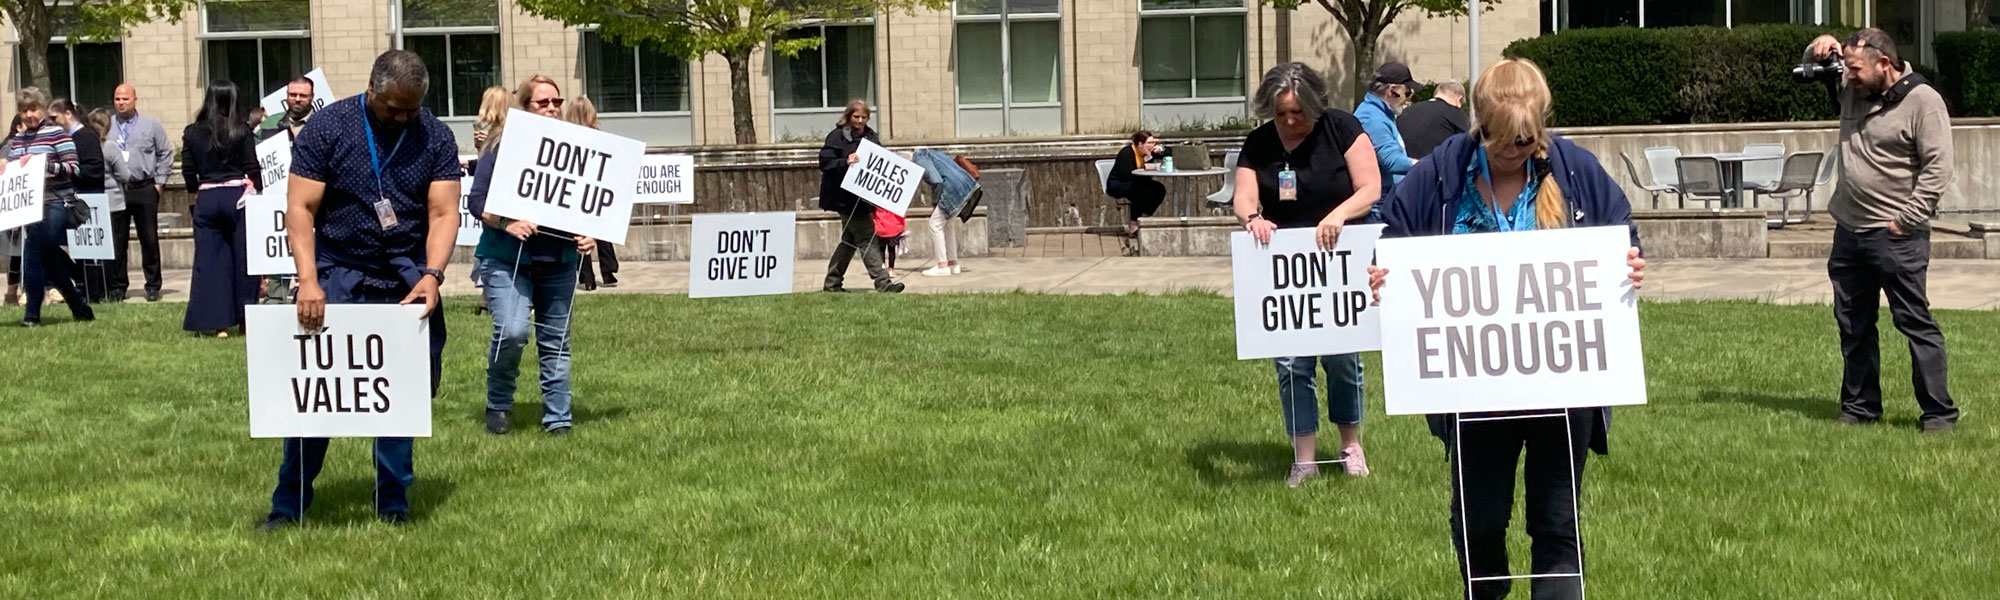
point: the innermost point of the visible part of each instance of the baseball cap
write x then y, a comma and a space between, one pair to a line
1396, 72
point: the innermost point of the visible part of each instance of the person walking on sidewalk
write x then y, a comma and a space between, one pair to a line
857, 232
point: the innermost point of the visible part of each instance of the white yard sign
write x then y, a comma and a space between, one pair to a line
366, 374
1510, 321
666, 179
21, 191
469, 227
1294, 299
565, 176
741, 254
92, 240
268, 250
274, 102
882, 178
275, 155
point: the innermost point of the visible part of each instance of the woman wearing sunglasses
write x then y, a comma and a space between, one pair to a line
1510, 174
529, 276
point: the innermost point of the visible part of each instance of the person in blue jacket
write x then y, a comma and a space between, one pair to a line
1388, 93
1511, 174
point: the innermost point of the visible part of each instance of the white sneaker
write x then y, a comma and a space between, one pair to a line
956, 270
937, 272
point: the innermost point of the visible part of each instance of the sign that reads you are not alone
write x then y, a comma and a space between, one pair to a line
21, 191
1294, 299
741, 254
1510, 321
882, 178
565, 176
365, 374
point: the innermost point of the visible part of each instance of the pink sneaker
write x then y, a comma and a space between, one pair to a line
1356, 463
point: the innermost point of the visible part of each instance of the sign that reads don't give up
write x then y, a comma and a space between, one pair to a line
565, 176
882, 178
1295, 299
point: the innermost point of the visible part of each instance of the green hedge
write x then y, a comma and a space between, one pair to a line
1629, 76
1969, 71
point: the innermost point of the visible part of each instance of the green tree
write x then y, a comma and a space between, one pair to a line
38, 20
732, 29
1364, 21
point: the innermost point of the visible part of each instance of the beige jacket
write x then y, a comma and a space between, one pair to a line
1895, 156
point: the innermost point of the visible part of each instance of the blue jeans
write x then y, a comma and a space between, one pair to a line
1298, 398
539, 292
48, 265
395, 467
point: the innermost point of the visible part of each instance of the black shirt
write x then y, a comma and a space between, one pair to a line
1320, 162
89, 161
204, 162
1429, 123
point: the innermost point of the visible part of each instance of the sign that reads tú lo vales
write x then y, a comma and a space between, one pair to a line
1295, 299
1510, 321
366, 373
564, 176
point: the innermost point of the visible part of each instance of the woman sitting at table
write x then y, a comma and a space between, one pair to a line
1142, 193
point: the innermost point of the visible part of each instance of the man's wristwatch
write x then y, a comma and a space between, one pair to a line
438, 273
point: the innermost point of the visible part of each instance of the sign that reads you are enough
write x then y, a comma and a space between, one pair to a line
1510, 321
882, 178
1294, 299
365, 374
565, 176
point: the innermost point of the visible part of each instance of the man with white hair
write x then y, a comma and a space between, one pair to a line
1429, 123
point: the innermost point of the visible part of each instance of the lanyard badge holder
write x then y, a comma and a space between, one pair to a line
1288, 184
385, 213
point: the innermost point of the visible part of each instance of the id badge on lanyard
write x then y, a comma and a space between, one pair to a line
385, 213
1288, 184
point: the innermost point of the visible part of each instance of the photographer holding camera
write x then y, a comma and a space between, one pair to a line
1895, 161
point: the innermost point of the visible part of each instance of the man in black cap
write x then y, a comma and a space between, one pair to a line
1388, 93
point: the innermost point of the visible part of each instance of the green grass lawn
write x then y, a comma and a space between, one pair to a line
967, 446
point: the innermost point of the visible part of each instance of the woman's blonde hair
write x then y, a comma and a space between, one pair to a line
522, 96
1513, 102
492, 110
581, 111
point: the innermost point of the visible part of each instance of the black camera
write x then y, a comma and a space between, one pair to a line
1827, 70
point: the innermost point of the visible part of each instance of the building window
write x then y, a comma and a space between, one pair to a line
1191, 49
86, 73
841, 69
626, 79
1009, 54
460, 44
259, 45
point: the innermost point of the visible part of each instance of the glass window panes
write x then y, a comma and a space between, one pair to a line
1218, 56
232, 16
257, 66
86, 73
461, 66
1035, 50
850, 64
796, 81
1034, 7
622, 79
979, 7
1166, 67
450, 13
1188, 4
979, 64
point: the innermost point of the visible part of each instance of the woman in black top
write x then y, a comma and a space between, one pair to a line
219, 163
1142, 194
857, 232
1309, 166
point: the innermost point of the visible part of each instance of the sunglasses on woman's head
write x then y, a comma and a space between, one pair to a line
547, 102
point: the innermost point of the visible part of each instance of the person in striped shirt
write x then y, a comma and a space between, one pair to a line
45, 264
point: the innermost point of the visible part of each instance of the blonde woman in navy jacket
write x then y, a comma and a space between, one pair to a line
1511, 174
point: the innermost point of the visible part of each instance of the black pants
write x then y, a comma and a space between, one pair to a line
1490, 451
857, 234
607, 259
1142, 196
1863, 266
142, 208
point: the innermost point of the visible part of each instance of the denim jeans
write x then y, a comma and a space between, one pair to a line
47, 265
1298, 398
539, 293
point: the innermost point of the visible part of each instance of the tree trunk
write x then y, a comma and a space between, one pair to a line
1364, 65
739, 95
31, 20
1975, 14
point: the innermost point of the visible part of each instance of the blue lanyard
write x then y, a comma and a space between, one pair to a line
374, 160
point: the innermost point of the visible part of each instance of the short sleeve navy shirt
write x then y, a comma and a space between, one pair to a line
329, 150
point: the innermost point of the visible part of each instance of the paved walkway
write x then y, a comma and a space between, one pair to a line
1954, 284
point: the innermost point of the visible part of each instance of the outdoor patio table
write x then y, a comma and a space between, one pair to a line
1181, 193
1732, 173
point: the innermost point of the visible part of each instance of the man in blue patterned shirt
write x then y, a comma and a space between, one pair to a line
372, 219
